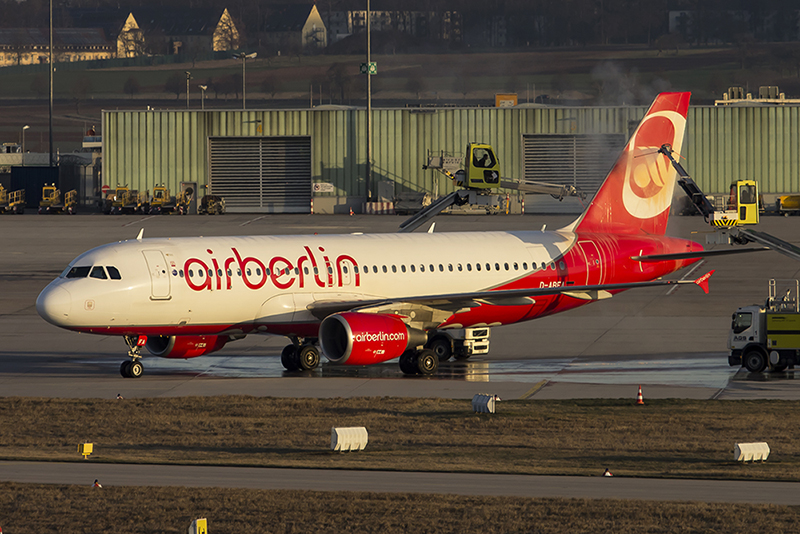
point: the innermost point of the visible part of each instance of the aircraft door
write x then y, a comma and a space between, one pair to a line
594, 262
159, 274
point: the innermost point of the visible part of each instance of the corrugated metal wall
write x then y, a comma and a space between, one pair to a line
145, 148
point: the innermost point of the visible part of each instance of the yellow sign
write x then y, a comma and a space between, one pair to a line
199, 526
85, 449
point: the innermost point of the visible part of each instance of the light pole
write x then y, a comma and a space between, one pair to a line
23, 143
203, 89
188, 77
244, 57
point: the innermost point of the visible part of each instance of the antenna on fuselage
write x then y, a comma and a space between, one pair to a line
141, 234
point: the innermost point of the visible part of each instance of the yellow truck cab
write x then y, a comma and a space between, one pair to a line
482, 167
742, 206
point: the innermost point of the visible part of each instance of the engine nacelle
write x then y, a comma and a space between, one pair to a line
184, 346
355, 338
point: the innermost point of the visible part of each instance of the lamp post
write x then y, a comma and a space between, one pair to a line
244, 57
188, 77
23, 143
203, 89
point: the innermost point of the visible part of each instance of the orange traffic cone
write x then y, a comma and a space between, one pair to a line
351, 212
639, 399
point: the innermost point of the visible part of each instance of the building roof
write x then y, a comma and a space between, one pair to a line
178, 21
61, 37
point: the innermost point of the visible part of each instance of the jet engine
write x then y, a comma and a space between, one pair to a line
184, 346
355, 338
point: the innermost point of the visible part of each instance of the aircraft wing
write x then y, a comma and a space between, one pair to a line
505, 297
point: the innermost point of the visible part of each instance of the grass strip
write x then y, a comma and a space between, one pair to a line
665, 438
77, 509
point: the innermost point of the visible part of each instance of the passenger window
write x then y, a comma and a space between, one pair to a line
385, 269
403, 268
258, 271
210, 273
344, 269
450, 267
562, 265
316, 270
355, 269
305, 270
248, 272
497, 266
431, 266
79, 272
516, 266
113, 273
394, 268
477, 266
98, 272
422, 268
191, 273
524, 266
374, 268
200, 273
506, 266
219, 273
441, 268
413, 268
469, 266
459, 267
488, 267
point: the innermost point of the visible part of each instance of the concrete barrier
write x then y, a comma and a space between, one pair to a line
750, 452
352, 438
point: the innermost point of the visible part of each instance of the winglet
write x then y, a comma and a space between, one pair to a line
703, 281
433, 225
141, 235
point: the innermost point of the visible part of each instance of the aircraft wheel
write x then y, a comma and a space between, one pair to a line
755, 361
135, 370
308, 357
408, 363
427, 362
289, 359
125, 369
442, 347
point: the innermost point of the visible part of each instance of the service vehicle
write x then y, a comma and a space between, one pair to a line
12, 201
212, 205
52, 201
768, 336
788, 205
163, 203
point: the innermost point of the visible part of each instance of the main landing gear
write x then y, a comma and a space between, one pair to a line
301, 355
419, 362
133, 368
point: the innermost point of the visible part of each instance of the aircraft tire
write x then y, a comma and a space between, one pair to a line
408, 363
755, 360
427, 362
289, 359
308, 357
442, 347
135, 370
125, 369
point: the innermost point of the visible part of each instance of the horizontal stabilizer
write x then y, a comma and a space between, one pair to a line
692, 255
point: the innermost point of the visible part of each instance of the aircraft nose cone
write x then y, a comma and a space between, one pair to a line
54, 305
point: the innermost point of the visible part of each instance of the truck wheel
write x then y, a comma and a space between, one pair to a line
755, 361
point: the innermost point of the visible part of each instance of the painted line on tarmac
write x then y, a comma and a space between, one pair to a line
253, 220
137, 222
531, 392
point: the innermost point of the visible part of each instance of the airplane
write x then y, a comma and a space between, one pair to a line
371, 298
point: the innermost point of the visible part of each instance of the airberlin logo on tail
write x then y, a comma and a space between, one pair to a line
212, 273
649, 180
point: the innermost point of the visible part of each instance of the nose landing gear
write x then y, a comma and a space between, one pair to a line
133, 368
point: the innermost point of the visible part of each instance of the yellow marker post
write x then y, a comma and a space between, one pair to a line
199, 526
85, 449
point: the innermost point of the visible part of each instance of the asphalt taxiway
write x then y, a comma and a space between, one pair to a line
671, 342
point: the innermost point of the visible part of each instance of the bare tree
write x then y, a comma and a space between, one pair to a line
176, 83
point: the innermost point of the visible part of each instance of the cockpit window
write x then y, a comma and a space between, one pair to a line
113, 273
79, 272
98, 272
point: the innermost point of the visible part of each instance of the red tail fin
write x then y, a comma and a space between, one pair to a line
636, 195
